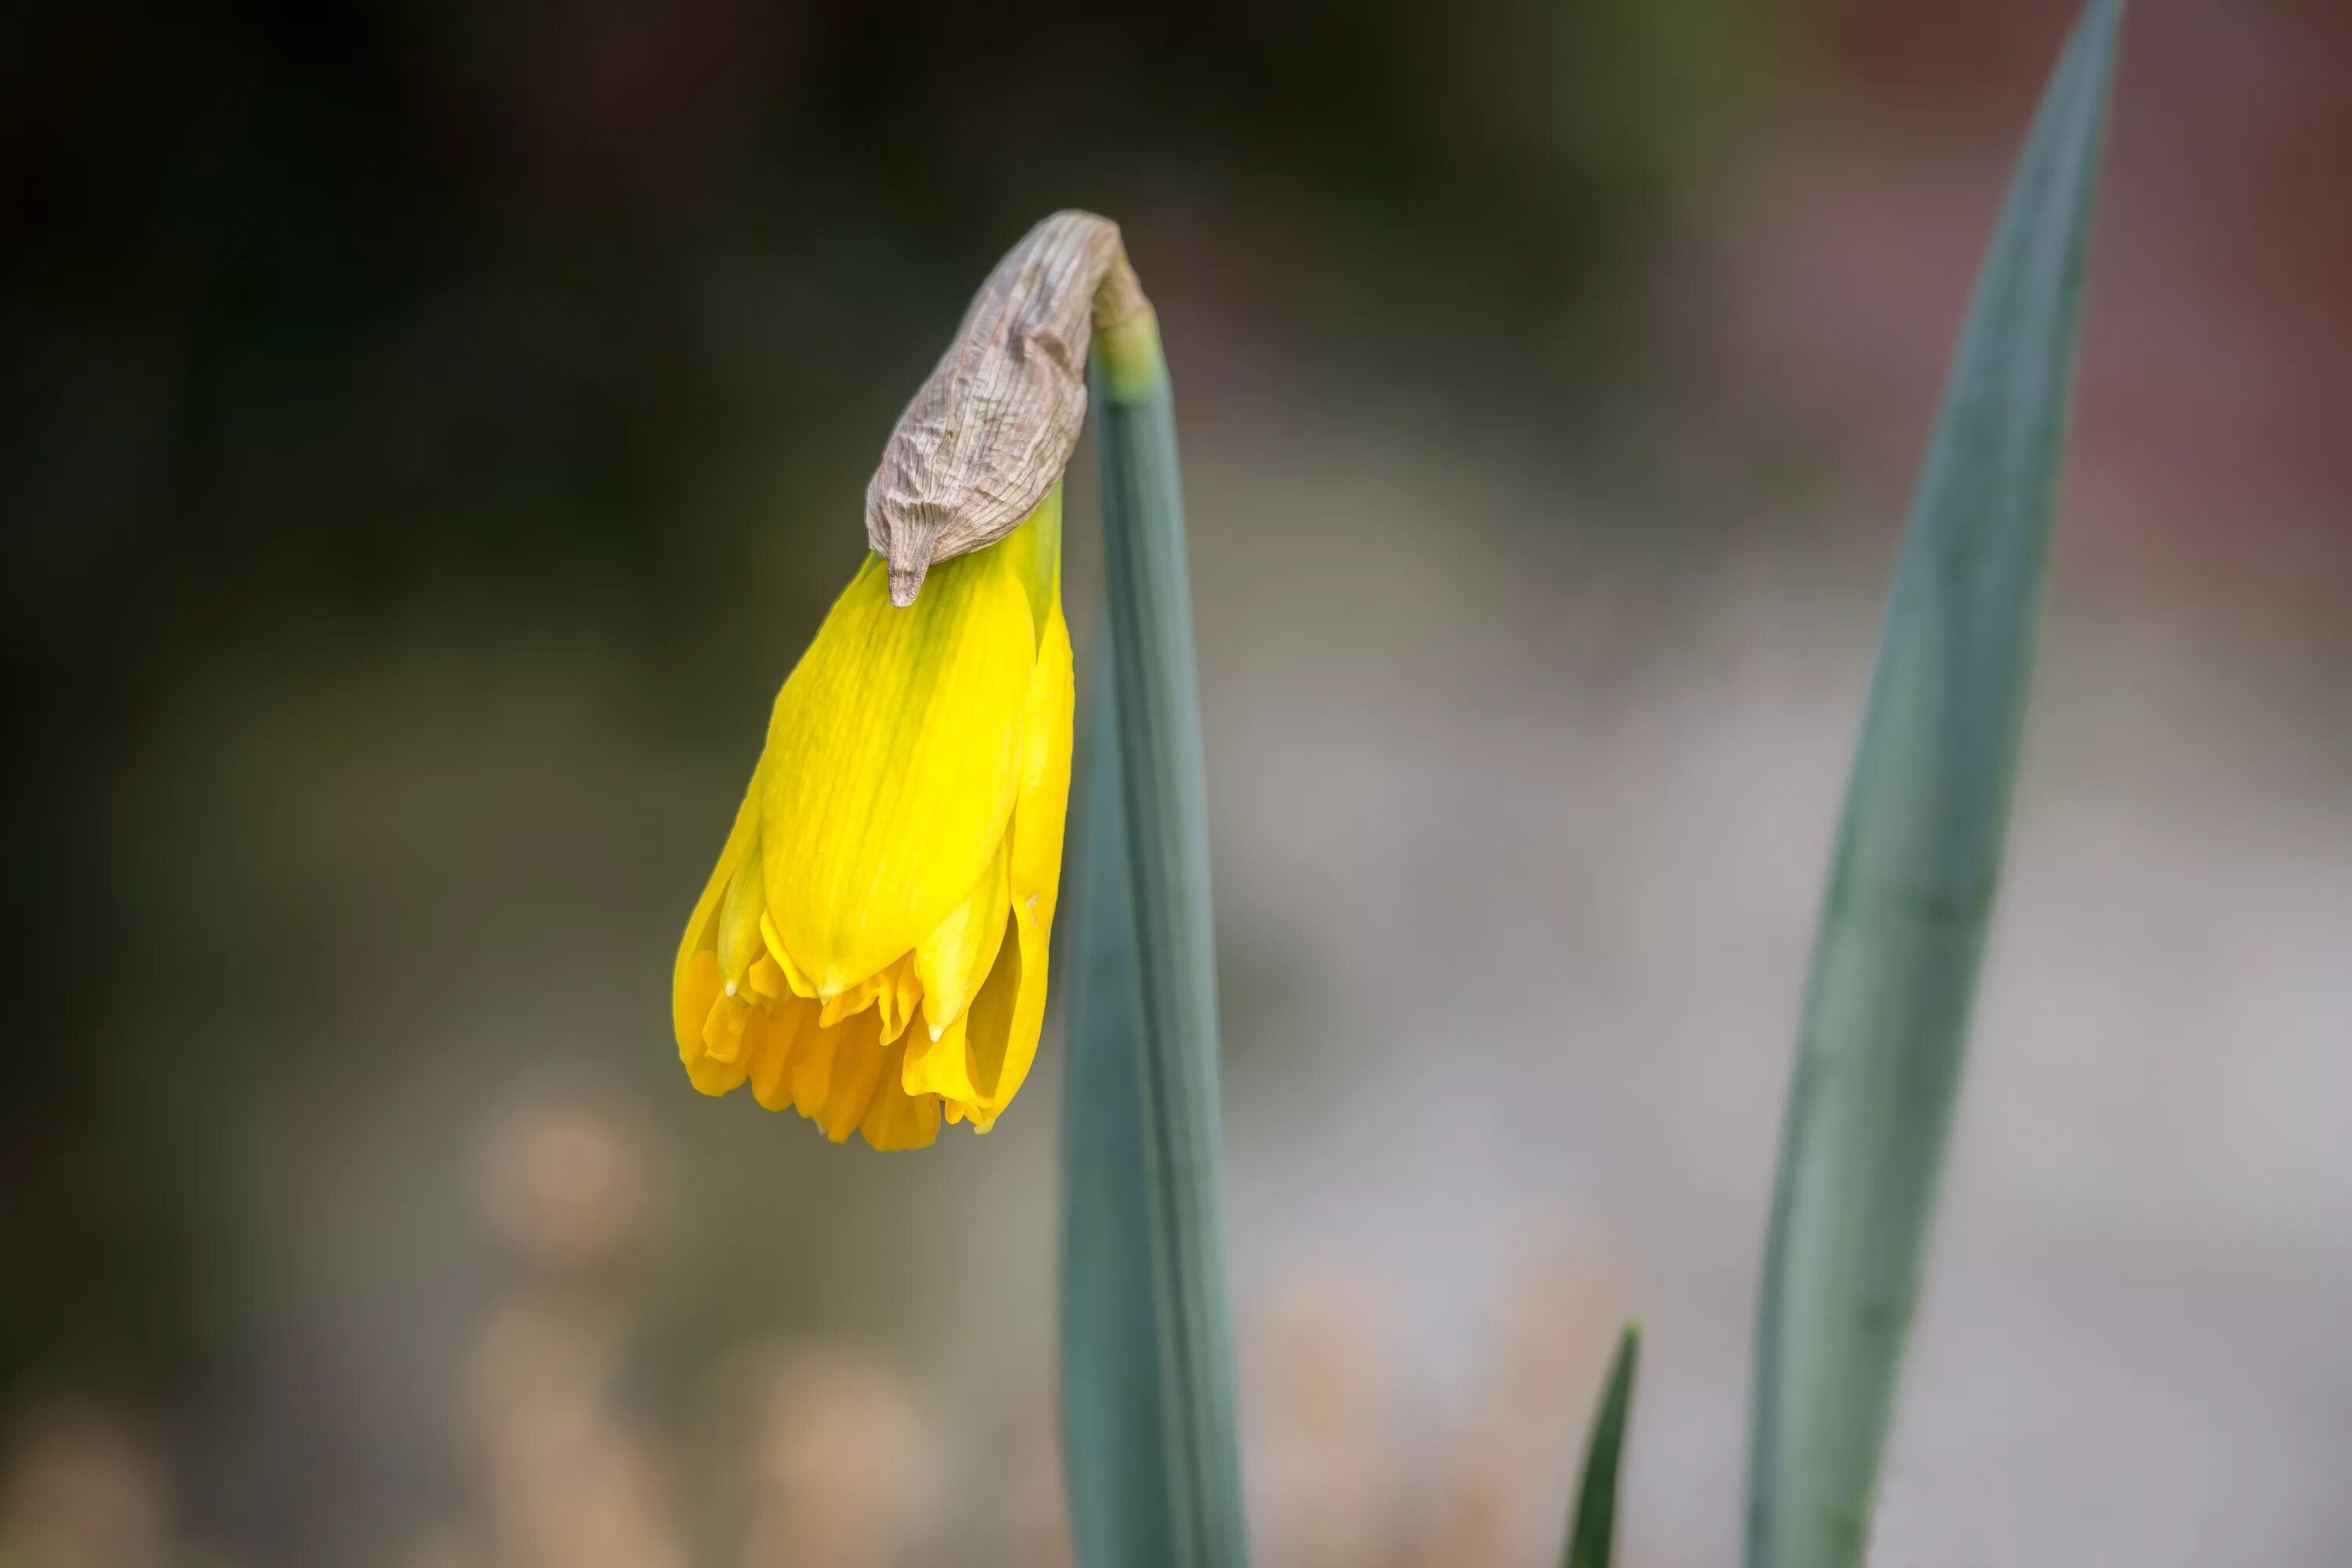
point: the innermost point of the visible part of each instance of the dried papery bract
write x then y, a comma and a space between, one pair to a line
993, 426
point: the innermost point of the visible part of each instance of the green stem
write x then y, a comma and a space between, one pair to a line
1114, 1434
1164, 798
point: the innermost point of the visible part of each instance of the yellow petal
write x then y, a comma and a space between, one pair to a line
942, 1066
894, 989
764, 980
981, 1057
702, 927
1006, 1019
696, 987
859, 1061
955, 958
714, 1076
809, 1076
699, 983
1001, 1039
722, 1028
899, 1121
776, 1049
775, 945
894, 759
737, 936
1039, 558
1043, 805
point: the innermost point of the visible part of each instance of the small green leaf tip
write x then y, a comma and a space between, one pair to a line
1593, 1535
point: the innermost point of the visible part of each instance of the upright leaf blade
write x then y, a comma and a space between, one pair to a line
1114, 1435
1594, 1534
1148, 595
1911, 888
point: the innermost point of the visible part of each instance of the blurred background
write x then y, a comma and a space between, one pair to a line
433, 430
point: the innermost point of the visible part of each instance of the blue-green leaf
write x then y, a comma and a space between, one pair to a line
1918, 854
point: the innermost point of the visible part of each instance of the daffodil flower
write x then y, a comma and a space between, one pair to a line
871, 949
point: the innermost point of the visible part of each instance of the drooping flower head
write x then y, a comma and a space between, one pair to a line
871, 949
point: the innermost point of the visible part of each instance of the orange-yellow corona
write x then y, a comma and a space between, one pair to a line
871, 949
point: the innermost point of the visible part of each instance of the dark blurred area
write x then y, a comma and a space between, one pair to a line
432, 430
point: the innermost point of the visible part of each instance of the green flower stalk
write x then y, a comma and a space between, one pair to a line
1157, 1478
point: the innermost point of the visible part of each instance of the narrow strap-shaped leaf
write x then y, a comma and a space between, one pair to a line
1113, 1431
1594, 1533
1911, 886
1149, 597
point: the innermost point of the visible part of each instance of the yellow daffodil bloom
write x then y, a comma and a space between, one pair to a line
871, 947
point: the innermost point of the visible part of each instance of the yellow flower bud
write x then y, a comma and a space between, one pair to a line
871, 947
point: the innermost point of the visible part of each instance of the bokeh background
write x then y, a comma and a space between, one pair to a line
433, 430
